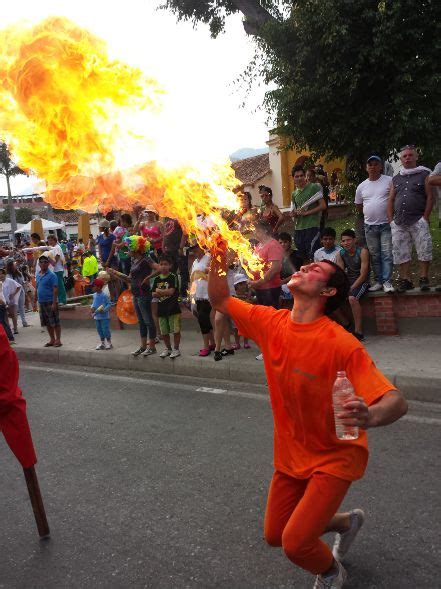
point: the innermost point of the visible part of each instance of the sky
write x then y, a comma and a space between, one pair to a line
202, 110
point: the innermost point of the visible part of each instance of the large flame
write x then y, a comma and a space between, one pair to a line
71, 115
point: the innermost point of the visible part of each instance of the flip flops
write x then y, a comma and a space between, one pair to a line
49, 345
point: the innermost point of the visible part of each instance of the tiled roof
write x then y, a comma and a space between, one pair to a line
69, 216
252, 169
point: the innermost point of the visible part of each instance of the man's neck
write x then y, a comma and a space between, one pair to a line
306, 310
374, 177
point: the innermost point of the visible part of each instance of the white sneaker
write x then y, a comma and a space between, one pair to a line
108, 346
375, 287
100, 346
175, 354
259, 357
149, 352
387, 287
165, 352
335, 582
343, 541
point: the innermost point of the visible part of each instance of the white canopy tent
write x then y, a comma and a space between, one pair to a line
47, 226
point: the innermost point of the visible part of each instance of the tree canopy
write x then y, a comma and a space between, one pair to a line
350, 76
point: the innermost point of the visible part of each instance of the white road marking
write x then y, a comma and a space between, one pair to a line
230, 393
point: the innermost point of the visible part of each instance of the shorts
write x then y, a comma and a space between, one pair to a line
359, 291
48, 317
307, 242
170, 324
404, 235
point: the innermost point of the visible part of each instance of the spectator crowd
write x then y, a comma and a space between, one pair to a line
165, 268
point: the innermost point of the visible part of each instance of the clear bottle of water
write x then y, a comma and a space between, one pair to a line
342, 392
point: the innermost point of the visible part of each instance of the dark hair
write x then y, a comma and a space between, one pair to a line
35, 235
2, 271
297, 168
329, 232
247, 195
285, 237
340, 281
264, 226
348, 233
12, 269
164, 258
53, 236
267, 189
127, 219
113, 224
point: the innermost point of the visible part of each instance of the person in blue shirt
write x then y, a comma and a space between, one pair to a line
104, 242
46, 294
100, 312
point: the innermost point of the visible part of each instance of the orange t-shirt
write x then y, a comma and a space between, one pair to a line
301, 364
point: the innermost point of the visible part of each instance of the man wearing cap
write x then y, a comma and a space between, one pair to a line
371, 198
409, 207
47, 296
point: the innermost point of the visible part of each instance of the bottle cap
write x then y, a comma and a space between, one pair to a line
341, 373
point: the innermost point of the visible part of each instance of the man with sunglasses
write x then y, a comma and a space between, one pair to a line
409, 207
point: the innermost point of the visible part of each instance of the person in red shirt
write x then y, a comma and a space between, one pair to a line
269, 250
303, 350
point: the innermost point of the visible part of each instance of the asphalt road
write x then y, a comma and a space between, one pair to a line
151, 483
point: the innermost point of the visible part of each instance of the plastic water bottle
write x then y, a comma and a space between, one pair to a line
342, 392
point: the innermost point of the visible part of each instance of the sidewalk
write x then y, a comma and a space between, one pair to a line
411, 363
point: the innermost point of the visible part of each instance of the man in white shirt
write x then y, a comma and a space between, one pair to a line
56, 258
371, 198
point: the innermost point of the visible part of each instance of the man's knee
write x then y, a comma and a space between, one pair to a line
352, 300
296, 546
273, 537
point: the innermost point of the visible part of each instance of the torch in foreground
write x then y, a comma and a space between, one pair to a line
15, 428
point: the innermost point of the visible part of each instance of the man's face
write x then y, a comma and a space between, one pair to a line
348, 242
44, 264
2, 276
310, 176
266, 197
408, 158
300, 179
374, 167
328, 242
51, 241
311, 279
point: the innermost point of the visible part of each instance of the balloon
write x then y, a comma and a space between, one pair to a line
125, 309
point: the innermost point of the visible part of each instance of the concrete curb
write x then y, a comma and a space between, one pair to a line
419, 388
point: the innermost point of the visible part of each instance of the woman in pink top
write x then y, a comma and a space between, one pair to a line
150, 227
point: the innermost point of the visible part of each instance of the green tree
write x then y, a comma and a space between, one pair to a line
8, 169
24, 215
350, 76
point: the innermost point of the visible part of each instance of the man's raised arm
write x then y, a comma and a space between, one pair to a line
218, 291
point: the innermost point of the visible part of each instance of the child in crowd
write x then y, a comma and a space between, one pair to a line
243, 293
100, 312
166, 289
329, 250
222, 322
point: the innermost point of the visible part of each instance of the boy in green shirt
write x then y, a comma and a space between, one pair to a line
307, 216
166, 288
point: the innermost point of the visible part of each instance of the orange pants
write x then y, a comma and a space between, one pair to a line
297, 513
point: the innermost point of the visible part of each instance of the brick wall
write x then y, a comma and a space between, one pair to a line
387, 309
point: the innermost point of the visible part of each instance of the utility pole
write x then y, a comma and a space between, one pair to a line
11, 209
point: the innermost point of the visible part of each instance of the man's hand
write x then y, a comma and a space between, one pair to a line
356, 413
54, 307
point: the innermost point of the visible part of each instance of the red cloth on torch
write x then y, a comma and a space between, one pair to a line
13, 421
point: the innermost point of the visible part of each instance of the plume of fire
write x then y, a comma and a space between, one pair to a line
65, 112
